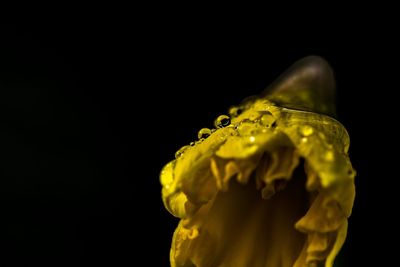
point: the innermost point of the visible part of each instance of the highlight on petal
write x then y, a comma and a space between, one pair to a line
272, 186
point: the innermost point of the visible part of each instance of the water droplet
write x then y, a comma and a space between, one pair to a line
252, 139
193, 233
329, 155
267, 119
235, 111
253, 116
199, 141
304, 139
180, 152
192, 144
204, 133
306, 130
222, 121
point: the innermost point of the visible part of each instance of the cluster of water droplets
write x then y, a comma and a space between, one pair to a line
220, 122
257, 122
246, 127
306, 131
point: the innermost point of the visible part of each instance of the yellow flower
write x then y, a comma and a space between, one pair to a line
271, 186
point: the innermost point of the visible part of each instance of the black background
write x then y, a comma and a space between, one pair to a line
91, 111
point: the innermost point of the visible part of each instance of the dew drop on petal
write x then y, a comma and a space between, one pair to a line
193, 233
306, 130
267, 119
329, 155
222, 121
180, 152
204, 133
199, 141
235, 111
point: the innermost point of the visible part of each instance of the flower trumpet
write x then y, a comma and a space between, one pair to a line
271, 185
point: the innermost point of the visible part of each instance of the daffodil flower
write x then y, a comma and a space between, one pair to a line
271, 186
